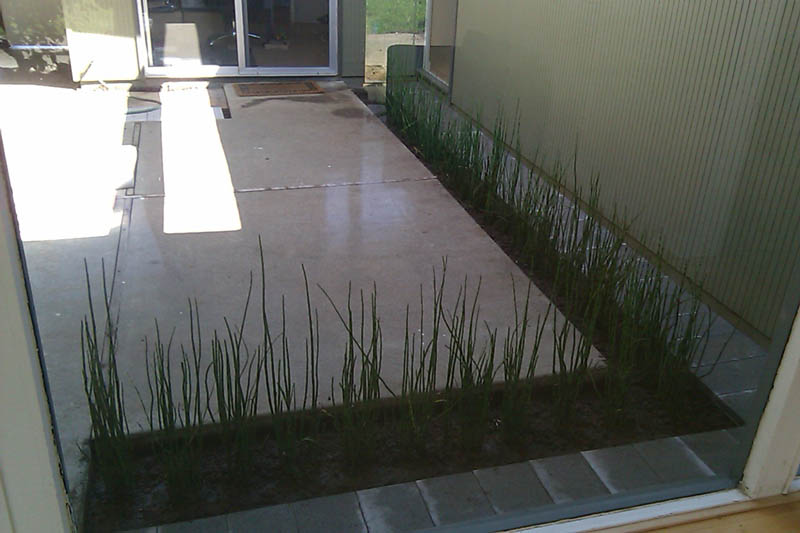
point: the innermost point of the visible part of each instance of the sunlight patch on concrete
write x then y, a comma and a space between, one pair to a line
65, 159
199, 195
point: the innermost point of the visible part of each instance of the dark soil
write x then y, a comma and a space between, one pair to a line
323, 469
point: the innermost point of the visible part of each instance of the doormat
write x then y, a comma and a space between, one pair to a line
277, 88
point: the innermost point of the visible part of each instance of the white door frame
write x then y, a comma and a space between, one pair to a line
775, 455
217, 71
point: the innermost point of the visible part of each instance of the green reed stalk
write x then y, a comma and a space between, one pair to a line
235, 374
518, 382
420, 361
177, 422
356, 416
109, 445
470, 368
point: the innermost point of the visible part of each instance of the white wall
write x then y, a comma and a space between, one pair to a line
101, 35
29, 468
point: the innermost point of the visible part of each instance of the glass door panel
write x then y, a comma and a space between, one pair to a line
188, 38
286, 34
186, 33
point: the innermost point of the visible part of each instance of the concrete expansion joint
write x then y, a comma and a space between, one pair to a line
332, 185
297, 187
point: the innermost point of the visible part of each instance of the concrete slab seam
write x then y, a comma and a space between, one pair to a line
425, 501
707, 470
486, 493
299, 187
361, 510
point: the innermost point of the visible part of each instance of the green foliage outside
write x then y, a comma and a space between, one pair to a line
395, 16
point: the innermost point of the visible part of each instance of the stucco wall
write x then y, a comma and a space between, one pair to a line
101, 35
686, 111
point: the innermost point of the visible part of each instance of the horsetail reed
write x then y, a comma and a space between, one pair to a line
235, 373
104, 393
586, 262
470, 366
420, 362
360, 382
178, 423
517, 379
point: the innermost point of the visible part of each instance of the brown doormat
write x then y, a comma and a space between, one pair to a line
280, 88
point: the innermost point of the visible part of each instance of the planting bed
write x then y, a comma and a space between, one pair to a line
322, 467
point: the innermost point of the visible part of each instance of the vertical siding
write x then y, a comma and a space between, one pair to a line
686, 111
353, 37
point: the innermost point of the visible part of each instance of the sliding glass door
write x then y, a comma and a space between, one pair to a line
206, 38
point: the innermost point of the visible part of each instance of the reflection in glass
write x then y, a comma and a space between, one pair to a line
291, 33
442, 38
391, 22
192, 32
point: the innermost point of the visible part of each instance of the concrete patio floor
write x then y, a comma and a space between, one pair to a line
326, 186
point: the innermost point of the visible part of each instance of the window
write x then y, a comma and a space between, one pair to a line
440, 39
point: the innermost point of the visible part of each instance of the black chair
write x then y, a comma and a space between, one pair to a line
229, 17
163, 6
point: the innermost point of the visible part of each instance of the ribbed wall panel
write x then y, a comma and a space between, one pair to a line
686, 111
